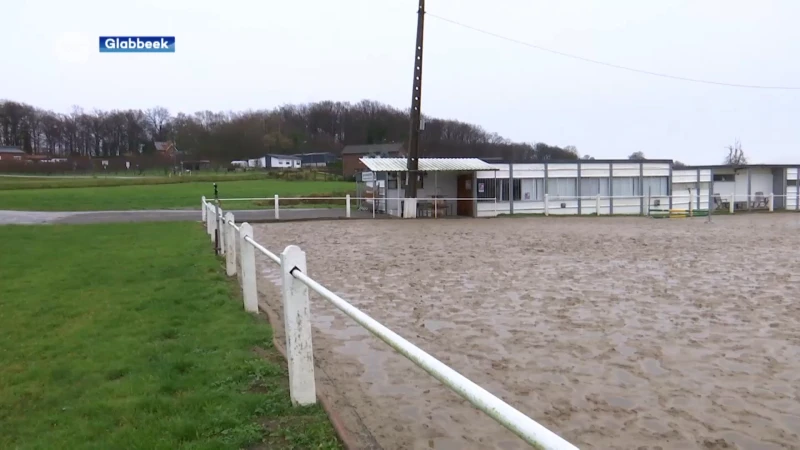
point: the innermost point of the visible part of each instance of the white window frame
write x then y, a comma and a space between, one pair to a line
621, 184
602, 185
556, 187
660, 183
532, 189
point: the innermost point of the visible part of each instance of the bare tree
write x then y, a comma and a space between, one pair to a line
678, 164
316, 127
636, 156
158, 118
587, 157
735, 155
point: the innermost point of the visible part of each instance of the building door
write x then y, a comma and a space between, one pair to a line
464, 191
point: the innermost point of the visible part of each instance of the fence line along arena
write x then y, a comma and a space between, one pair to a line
617, 333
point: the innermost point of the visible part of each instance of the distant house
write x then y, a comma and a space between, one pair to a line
320, 159
276, 162
165, 148
11, 153
352, 154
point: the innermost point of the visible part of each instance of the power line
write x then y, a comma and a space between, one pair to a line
614, 66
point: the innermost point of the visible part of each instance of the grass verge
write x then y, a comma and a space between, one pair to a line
127, 336
162, 196
23, 181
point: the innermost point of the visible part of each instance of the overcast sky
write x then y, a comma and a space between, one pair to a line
235, 55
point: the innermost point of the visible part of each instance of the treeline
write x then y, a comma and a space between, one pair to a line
225, 136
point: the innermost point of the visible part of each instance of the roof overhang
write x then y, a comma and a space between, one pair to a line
428, 165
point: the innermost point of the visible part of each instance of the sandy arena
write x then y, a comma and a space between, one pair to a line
615, 333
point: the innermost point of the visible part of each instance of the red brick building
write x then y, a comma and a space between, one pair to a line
352, 153
9, 153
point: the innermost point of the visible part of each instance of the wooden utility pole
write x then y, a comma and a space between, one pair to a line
416, 103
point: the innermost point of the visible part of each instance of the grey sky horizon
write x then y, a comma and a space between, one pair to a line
238, 55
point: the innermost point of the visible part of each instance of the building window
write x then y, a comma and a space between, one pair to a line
791, 182
724, 177
592, 187
655, 186
562, 187
517, 189
625, 187
486, 188
498, 189
502, 190
532, 189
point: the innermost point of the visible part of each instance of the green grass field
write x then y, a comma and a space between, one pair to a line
159, 196
130, 336
12, 181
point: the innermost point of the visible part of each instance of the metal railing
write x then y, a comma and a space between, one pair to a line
641, 204
545, 204
432, 206
238, 246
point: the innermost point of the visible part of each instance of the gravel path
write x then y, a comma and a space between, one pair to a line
75, 217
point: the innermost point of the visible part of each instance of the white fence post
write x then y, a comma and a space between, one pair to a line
237, 244
230, 246
221, 224
691, 210
546, 205
209, 228
277, 207
215, 225
771, 202
347, 205
597, 202
733, 200
248, 257
203, 207
297, 321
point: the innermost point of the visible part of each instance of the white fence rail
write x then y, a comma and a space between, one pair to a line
237, 244
545, 204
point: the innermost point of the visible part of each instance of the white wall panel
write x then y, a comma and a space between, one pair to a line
626, 170
595, 170
684, 176
562, 170
791, 197
655, 169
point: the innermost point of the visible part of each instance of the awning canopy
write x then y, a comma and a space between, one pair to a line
427, 165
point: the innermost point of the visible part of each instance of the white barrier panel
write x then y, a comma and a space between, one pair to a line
230, 246
248, 259
297, 323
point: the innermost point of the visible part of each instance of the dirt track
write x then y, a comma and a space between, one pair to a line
621, 333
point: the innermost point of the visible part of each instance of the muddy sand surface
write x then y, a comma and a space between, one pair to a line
615, 333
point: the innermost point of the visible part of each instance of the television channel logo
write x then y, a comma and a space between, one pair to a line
137, 44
